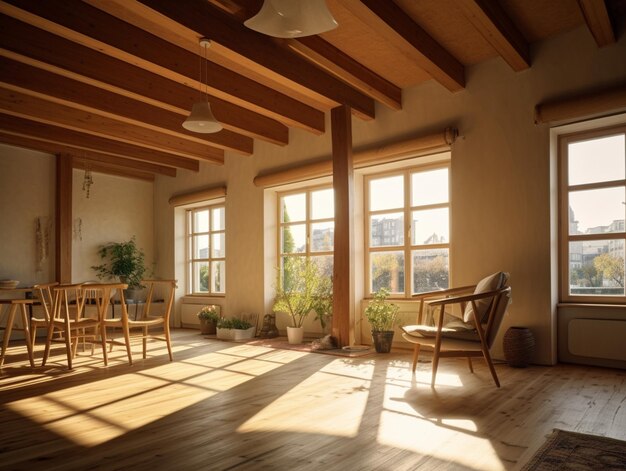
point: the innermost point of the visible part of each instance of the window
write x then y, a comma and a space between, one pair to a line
307, 227
408, 216
593, 208
206, 250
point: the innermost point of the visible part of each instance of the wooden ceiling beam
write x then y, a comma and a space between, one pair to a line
30, 80
100, 167
598, 21
90, 155
393, 24
66, 137
492, 22
49, 52
261, 54
74, 20
43, 111
331, 59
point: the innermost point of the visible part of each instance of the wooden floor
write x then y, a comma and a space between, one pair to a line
222, 406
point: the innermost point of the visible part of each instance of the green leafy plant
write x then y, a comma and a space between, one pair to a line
123, 260
323, 305
233, 323
209, 313
298, 290
381, 314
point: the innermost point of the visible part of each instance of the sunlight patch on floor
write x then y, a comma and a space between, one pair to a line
136, 399
344, 406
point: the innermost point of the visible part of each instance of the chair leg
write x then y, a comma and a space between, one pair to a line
46, 351
469, 363
416, 352
68, 347
127, 340
491, 367
145, 340
103, 340
27, 336
7, 332
435, 366
168, 340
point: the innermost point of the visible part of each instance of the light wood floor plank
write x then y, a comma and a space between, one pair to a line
222, 406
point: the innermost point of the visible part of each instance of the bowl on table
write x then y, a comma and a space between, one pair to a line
9, 284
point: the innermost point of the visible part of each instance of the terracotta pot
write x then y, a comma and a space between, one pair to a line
207, 327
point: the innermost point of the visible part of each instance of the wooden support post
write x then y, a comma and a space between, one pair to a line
343, 184
63, 224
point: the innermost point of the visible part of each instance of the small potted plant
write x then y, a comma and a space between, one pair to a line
296, 294
234, 328
125, 261
382, 316
208, 315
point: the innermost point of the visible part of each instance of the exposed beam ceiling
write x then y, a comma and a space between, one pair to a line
110, 82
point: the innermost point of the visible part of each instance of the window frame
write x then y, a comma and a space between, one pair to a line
565, 237
308, 221
190, 234
408, 247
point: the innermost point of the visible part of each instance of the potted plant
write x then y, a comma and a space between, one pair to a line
125, 261
323, 305
296, 293
382, 316
234, 329
208, 315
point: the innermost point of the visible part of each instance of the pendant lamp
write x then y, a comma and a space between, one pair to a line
292, 18
201, 119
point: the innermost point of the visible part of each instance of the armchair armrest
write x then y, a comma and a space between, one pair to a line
468, 298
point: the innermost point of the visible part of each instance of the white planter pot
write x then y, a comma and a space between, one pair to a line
295, 334
236, 334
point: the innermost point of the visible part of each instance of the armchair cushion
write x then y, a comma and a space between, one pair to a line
491, 283
459, 332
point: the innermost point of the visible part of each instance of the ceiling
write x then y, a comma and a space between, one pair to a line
109, 82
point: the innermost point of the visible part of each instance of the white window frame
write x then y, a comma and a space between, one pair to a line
309, 221
564, 237
407, 210
190, 235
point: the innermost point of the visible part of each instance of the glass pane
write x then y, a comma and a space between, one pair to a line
201, 246
200, 277
596, 160
289, 266
387, 230
429, 187
218, 277
294, 238
387, 271
201, 221
597, 211
430, 227
323, 204
596, 267
218, 221
324, 264
387, 193
322, 236
431, 270
218, 246
294, 207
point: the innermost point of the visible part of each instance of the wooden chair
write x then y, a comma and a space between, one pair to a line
483, 310
43, 293
11, 306
148, 319
68, 318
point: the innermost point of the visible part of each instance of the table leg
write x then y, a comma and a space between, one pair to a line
7, 332
29, 345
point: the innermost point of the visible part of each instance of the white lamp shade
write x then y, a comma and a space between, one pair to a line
292, 18
201, 119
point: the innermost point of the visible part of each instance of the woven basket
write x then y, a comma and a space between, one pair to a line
519, 346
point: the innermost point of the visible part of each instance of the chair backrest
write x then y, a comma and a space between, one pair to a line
490, 283
69, 301
102, 295
165, 288
496, 314
43, 292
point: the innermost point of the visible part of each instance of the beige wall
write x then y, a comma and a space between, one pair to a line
500, 177
117, 209
26, 193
